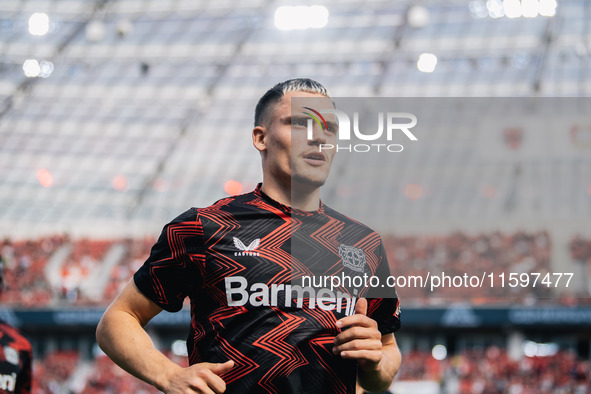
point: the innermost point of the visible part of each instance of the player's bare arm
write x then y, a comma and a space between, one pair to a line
121, 335
377, 355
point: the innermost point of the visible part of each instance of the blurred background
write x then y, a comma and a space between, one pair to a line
115, 116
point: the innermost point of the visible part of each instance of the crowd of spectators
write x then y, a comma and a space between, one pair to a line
25, 282
108, 378
85, 257
482, 255
52, 373
580, 249
491, 370
137, 251
475, 371
487, 255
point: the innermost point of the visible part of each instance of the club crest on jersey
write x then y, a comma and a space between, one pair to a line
353, 258
244, 250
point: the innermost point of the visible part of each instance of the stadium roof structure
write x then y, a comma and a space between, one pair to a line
135, 110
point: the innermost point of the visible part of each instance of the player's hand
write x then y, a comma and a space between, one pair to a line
360, 338
198, 378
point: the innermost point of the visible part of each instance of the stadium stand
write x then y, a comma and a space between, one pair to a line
453, 254
137, 251
85, 257
580, 249
107, 377
491, 370
478, 370
53, 372
25, 262
459, 253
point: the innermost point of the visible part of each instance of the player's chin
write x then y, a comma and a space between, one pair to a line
309, 180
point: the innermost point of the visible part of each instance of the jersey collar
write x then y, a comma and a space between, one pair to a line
287, 209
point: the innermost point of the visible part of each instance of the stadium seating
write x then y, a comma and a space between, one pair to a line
490, 370
107, 377
27, 283
52, 373
458, 253
476, 370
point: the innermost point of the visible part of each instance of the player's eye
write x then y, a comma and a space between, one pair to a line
299, 122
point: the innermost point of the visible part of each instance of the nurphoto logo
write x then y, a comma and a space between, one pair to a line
395, 122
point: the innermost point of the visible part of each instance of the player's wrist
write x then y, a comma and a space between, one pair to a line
371, 376
370, 366
164, 379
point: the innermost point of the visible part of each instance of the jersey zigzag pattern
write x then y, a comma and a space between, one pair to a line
238, 261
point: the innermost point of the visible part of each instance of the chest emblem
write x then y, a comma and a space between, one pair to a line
353, 258
244, 250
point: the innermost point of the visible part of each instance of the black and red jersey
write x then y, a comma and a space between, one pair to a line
16, 355
241, 261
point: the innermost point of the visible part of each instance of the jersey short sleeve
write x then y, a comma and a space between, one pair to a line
385, 309
173, 268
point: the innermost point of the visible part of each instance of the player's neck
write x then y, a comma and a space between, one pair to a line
294, 196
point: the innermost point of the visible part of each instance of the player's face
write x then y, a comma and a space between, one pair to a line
291, 156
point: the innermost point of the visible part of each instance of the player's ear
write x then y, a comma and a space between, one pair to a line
259, 138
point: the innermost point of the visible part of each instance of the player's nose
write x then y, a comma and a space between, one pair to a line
318, 135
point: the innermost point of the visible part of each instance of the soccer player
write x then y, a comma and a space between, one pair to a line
253, 330
16, 356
